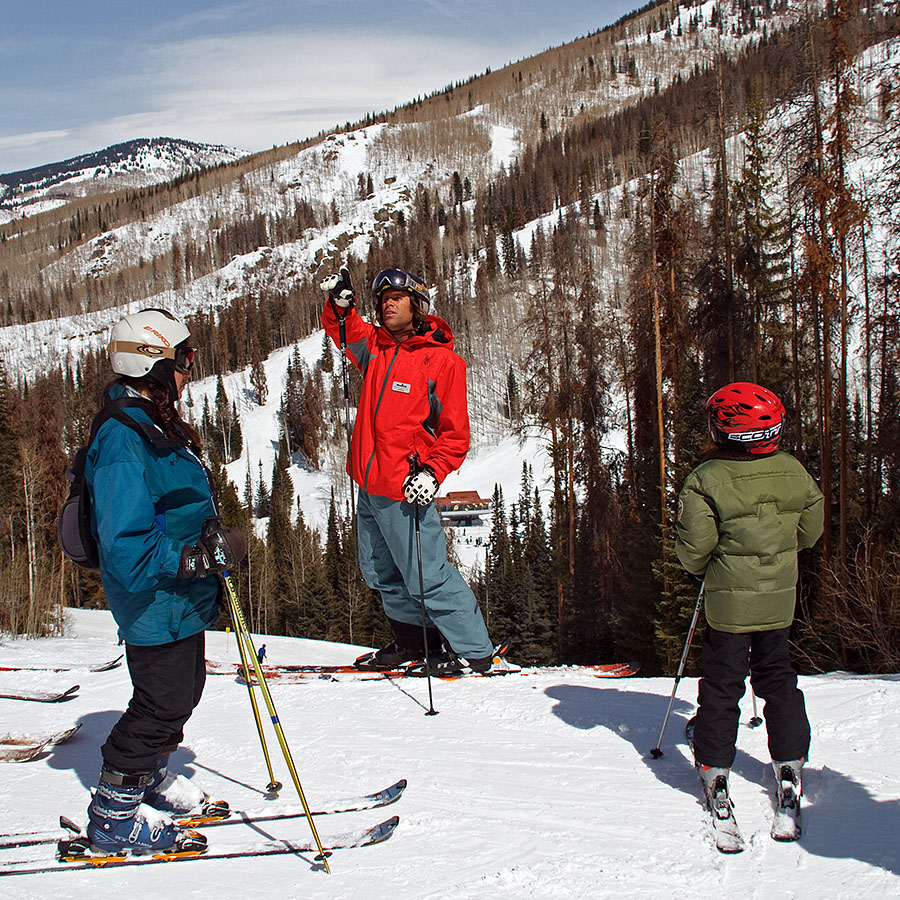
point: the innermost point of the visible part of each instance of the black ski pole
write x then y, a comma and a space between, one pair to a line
414, 470
656, 753
755, 720
346, 380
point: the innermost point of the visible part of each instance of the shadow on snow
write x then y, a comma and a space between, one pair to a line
843, 820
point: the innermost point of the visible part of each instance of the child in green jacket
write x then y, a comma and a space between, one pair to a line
743, 514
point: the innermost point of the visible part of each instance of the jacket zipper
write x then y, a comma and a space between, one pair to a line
375, 416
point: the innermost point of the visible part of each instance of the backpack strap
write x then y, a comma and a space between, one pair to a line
150, 432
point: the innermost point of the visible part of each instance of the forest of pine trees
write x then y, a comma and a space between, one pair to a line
648, 283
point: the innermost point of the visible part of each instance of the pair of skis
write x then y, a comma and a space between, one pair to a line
786, 825
73, 853
299, 673
55, 696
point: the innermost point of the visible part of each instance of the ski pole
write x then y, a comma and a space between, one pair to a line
414, 470
273, 787
238, 616
755, 720
656, 753
346, 380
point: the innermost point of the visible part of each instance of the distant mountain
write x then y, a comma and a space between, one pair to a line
136, 163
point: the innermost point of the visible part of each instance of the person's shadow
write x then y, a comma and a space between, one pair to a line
843, 820
81, 754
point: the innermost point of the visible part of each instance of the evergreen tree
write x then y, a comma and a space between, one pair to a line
263, 498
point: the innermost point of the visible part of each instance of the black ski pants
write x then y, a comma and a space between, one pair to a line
168, 681
726, 660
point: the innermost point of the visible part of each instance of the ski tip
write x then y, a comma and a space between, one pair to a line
401, 784
730, 849
383, 830
67, 824
616, 670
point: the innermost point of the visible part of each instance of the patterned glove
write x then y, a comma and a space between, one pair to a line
339, 288
217, 550
420, 488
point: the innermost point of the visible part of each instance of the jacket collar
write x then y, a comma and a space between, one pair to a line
438, 334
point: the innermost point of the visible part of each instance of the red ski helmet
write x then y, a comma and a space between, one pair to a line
745, 416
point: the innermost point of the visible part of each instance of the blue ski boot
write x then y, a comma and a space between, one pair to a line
120, 823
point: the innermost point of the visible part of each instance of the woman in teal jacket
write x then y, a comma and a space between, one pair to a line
160, 547
743, 514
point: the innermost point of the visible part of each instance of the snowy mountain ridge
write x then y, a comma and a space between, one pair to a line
136, 163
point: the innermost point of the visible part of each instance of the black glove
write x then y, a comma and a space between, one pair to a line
218, 549
339, 288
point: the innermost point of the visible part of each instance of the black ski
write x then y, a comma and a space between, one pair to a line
71, 856
721, 810
786, 825
43, 696
725, 827
351, 804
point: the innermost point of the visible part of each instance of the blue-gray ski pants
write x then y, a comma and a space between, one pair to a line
386, 532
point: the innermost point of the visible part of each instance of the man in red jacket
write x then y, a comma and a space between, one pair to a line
413, 401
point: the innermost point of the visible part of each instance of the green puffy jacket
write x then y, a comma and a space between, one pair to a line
740, 525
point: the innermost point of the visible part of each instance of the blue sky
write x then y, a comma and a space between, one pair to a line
79, 76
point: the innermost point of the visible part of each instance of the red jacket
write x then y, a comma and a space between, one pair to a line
413, 400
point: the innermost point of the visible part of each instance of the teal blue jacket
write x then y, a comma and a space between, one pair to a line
148, 502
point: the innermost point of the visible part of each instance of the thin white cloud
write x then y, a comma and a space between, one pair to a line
257, 90
210, 14
30, 139
253, 91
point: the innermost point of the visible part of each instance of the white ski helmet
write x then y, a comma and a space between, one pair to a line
144, 338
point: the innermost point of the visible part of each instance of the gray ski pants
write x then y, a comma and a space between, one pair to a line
388, 561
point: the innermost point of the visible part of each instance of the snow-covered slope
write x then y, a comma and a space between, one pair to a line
534, 786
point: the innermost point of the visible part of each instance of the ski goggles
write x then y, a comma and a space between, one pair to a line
182, 355
184, 358
398, 280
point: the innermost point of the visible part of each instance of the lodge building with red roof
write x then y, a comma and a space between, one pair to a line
462, 507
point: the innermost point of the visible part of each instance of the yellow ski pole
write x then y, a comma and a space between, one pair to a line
273, 787
238, 616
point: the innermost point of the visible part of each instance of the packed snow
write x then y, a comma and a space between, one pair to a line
522, 786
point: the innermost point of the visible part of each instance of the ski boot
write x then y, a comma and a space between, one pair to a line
714, 780
118, 822
390, 657
450, 665
176, 794
788, 791
409, 644
718, 801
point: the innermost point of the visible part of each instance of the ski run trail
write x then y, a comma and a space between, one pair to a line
537, 786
